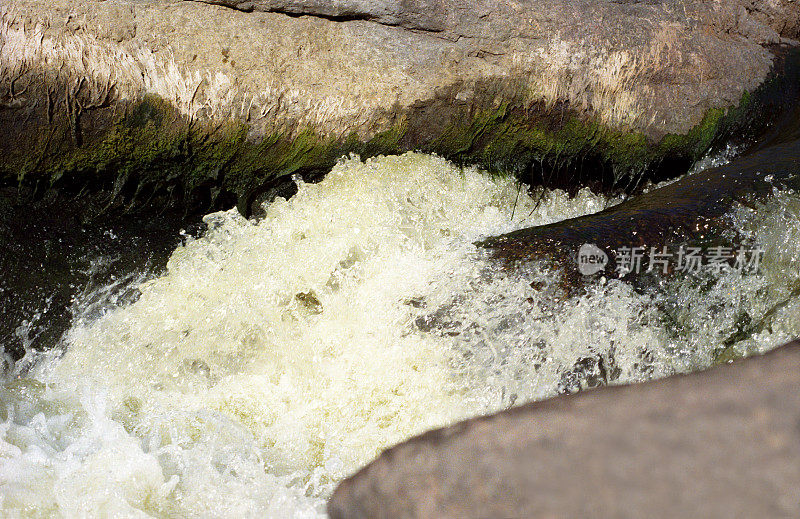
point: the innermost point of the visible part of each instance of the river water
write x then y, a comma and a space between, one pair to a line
274, 357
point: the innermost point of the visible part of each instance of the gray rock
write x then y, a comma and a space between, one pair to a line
721, 443
424, 15
651, 66
503, 83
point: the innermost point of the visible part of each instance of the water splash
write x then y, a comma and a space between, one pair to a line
276, 357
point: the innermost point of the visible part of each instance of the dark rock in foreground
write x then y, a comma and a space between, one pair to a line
721, 443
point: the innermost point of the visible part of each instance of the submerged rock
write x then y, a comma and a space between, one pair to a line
199, 104
721, 443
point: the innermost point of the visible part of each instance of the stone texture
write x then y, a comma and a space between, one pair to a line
721, 443
426, 15
509, 84
687, 212
652, 66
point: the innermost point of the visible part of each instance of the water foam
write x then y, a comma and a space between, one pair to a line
276, 357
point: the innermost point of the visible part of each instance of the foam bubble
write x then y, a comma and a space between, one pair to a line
276, 357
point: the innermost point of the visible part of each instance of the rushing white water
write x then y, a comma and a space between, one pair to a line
274, 358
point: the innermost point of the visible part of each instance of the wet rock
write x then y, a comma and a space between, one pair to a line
424, 15
687, 211
208, 104
589, 372
308, 300
720, 443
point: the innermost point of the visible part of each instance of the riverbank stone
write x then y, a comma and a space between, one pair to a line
719, 443
206, 104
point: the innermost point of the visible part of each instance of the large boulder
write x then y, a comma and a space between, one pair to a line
721, 443
170, 99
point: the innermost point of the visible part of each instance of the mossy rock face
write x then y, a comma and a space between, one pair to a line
153, 154
561, 147
147, 154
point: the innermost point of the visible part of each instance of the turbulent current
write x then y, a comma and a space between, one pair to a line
275, 357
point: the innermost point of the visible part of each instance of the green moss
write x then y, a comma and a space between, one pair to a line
384, 143
513, 140
149, 141
518, 141
153, 149
462, 137
695, 143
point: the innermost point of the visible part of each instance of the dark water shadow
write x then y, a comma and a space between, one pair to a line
50, 260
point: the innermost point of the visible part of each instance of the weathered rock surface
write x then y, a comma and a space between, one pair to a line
248, 91
721, 443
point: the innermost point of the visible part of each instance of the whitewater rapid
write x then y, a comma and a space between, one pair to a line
275, 357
